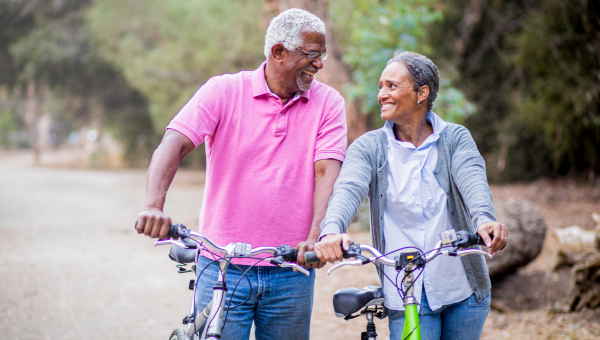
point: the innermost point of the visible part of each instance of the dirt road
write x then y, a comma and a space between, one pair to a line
72, 266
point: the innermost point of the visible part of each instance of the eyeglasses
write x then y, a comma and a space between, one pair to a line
314, 55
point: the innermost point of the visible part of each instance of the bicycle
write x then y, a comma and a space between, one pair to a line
186, 246
369, 300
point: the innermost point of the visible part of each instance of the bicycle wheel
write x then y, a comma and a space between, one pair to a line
178, 334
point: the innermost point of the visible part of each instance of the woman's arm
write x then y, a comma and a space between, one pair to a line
468, 172
350, 189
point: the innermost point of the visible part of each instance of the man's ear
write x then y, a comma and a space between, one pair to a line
278, 52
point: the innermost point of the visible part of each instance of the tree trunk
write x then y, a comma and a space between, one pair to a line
32, 115
526, 233
334, 73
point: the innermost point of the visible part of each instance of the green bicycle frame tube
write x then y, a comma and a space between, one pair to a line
411, 321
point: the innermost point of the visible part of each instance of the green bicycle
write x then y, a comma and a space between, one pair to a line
369, 300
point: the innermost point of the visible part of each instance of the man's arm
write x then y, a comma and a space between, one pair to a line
165, 162
326, 172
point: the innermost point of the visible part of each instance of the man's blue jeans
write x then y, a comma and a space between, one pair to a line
279, 300
463, 320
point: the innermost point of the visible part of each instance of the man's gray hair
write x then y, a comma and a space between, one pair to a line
422, 72
287, 28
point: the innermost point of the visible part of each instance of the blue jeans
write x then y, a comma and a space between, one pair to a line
279, 300
462, 320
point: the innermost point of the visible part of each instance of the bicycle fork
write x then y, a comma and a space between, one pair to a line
412, 327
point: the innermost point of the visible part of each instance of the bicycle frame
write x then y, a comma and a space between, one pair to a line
412, 326
213, 312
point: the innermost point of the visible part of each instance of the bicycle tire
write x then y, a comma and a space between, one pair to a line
178, 334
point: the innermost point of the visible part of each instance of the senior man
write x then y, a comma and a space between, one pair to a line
275, 139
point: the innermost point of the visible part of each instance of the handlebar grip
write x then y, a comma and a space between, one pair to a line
174, 231
311, 257
292, 255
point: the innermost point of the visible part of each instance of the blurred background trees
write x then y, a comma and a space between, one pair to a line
532, 67
523, 76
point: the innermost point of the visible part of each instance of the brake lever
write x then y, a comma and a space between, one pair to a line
465, 252
169, 241
291, 265
345, 263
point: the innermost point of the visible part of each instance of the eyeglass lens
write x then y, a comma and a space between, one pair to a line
313, 55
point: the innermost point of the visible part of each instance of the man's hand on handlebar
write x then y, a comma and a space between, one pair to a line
500, 236
330, 247
153, 223
303, 247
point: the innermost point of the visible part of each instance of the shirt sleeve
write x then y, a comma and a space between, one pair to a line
332, 136
199, 118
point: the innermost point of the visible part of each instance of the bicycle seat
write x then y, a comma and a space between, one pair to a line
350, 300
181, 255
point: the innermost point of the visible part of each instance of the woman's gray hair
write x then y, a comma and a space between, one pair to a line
422, 72
287, 28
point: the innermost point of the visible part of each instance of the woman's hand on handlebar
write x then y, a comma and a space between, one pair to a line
329, 249
153, 223
499, 232
303, 247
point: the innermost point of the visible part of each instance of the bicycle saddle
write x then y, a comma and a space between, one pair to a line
349, 300
181, 255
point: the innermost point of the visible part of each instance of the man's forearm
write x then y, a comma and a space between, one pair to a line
163, 167
325, 175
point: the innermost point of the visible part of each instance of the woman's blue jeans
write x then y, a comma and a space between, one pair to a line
279, 300
462, 320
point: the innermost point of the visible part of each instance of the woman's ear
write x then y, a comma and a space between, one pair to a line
423, 93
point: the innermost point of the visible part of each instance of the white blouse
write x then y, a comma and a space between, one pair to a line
415, 214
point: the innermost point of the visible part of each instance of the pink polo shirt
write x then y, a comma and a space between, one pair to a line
260, 156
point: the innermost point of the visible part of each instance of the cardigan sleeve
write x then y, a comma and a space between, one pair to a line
351, 186
468, 172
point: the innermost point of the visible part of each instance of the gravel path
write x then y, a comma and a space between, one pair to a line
72, 266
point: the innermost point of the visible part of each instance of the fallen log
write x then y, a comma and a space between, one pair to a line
572, 242
526, 233
585, 289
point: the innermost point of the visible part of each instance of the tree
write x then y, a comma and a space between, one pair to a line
532, 69
168, 49
47, 49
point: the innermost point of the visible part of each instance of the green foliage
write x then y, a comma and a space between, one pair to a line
168, 49
8, 126
372, 31
533, 69
451, 104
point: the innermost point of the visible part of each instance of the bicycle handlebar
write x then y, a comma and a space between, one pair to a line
457, 240
179, 234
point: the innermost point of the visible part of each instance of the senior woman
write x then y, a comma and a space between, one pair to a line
423, 176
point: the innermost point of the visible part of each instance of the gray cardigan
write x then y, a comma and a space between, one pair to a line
460, 171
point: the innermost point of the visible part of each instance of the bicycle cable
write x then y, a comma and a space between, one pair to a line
236, 285
244, 275
229, 262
